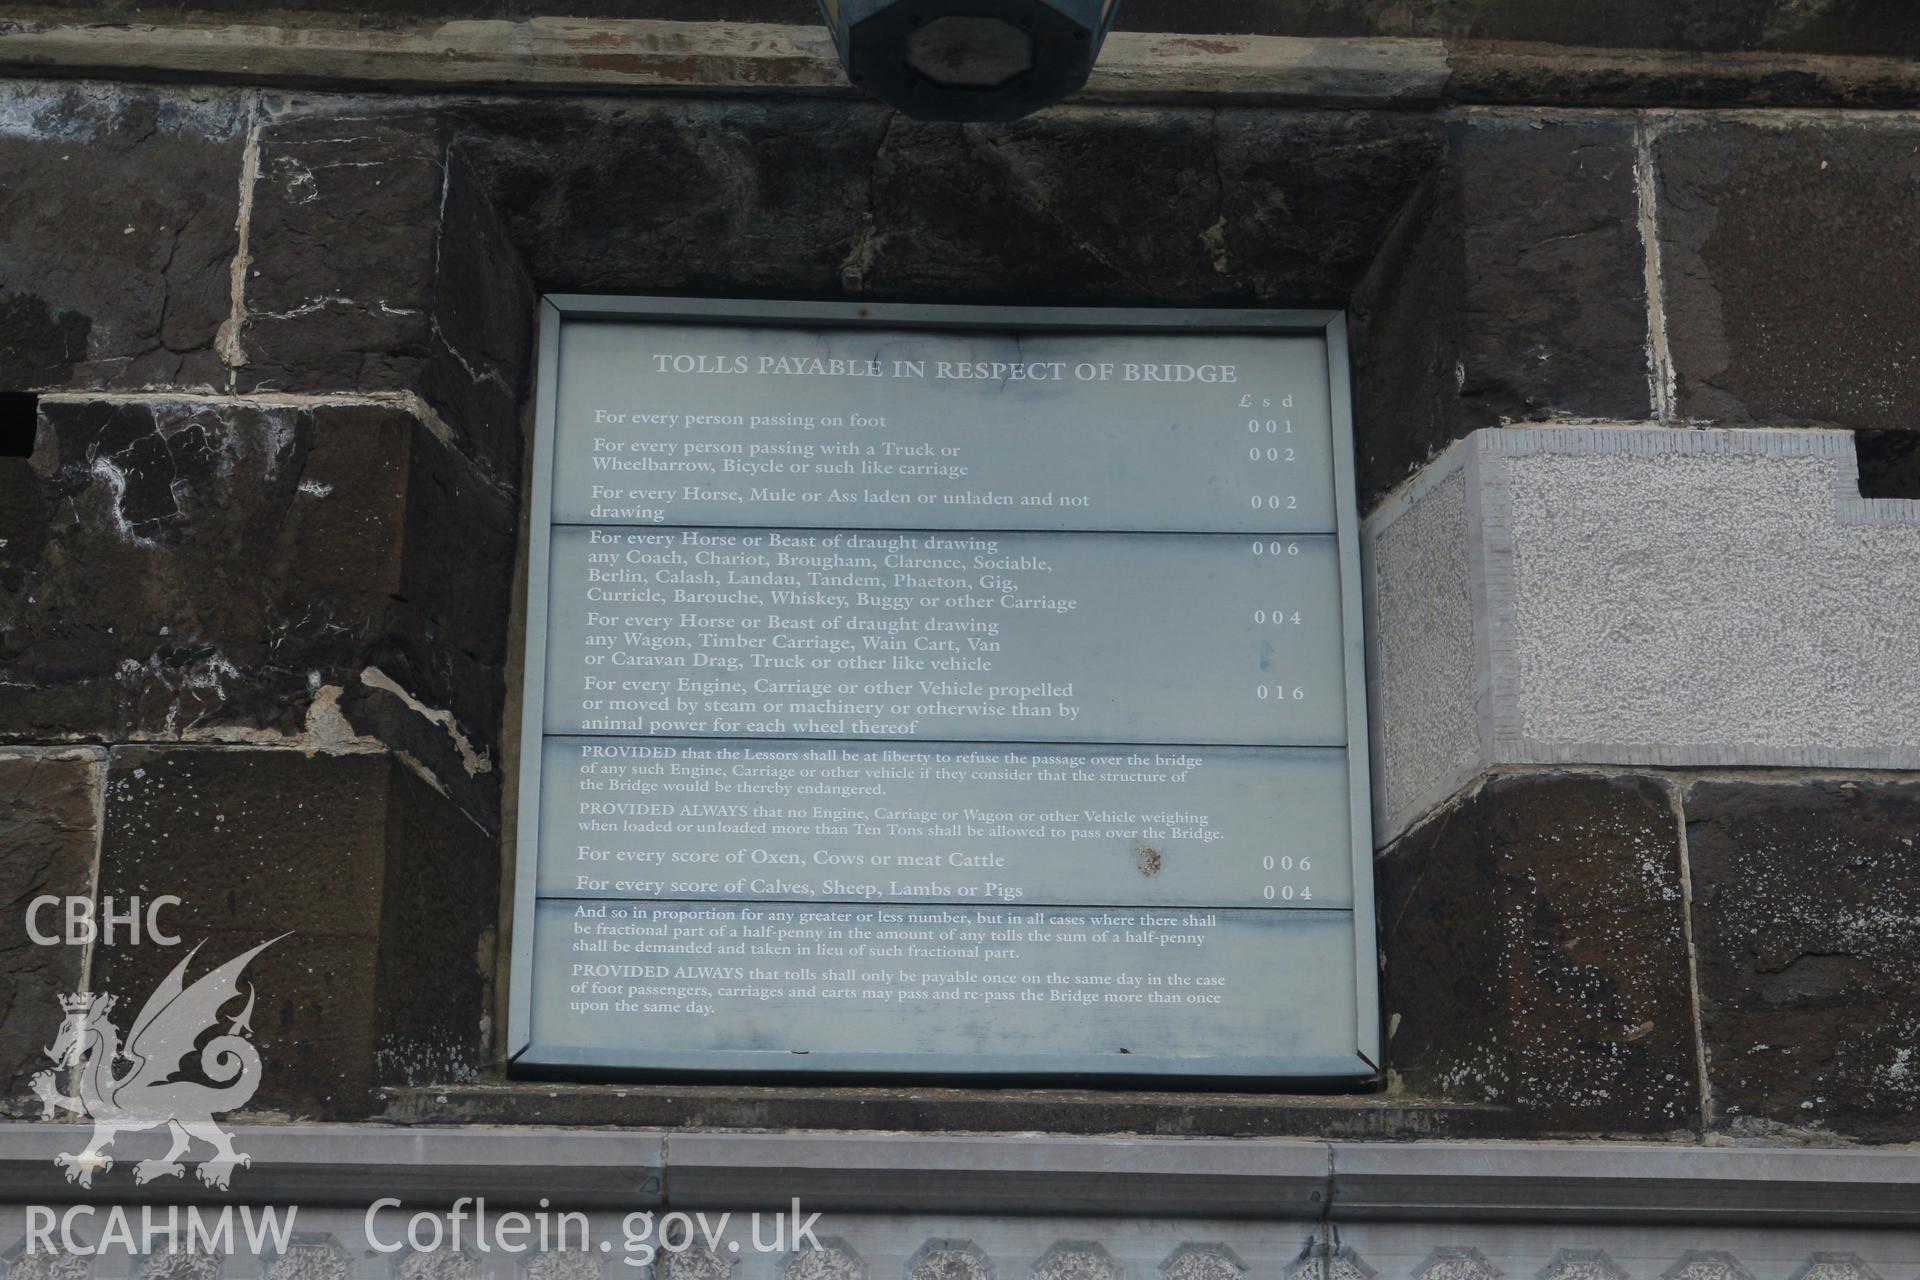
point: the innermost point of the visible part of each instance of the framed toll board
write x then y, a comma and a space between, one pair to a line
942, 691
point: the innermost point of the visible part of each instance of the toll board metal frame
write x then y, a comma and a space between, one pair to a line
525, 1058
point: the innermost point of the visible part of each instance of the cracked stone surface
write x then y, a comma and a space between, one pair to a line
201, 568
181, 565
328, 306
147, 180
1536, 957
1805, 907
437, 303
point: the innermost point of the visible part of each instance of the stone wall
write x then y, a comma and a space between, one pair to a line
259, 559
256, 571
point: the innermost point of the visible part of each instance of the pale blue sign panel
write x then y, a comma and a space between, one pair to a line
755, 986
942, 691
918, 822
1006, 637
877, 428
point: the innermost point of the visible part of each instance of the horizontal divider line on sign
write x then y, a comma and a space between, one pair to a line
957, 742
944, 906
843, 528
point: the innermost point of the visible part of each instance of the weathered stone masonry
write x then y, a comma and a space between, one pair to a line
256, 576
252, 536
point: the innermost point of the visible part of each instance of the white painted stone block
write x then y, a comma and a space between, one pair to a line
1638, 596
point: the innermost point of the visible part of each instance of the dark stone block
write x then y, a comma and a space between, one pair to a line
1405, 344
37, 348
1515, 290
463, 764
1263, 207
436, 303
445, 637
1883, 28
1791, 261
331, 306
1077, 204
117, 234
48, 831
1806, 904
1556, 305
1536, 957
1889, 463
681, 197
821, 198
385, 892
258, 843
1310, 197
483, 323
201, 569
199, 561
439, 913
